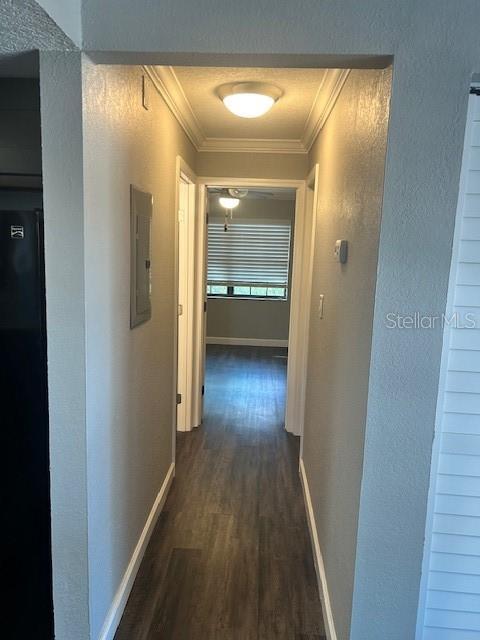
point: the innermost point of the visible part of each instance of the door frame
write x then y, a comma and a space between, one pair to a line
184, 174
304, 304
301, 277
200, 304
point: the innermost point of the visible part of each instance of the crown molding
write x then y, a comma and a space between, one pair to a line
168, 86
327, 95
252, 145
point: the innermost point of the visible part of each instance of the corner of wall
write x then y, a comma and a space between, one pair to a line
61, 120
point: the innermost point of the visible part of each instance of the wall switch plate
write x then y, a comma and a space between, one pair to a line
145, 94
320, 306
341, 250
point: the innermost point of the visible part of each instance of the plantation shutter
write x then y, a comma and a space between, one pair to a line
252, 253
450, 597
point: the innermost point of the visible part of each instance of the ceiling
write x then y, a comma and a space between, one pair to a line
290, 126
286, 119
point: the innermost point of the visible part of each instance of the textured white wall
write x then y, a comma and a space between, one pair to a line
24, 26
350, 151
130, 386
290, 166
180, 27
61, 113
432, 72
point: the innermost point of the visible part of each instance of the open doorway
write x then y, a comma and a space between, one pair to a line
254, 265
250, 240
235, 516
259, 281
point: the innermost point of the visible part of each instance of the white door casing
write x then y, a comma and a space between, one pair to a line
308, 246
200, 304
185, 276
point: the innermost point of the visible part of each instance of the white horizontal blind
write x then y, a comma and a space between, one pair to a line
452, 600
249, 253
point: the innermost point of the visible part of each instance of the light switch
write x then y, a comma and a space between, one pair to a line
341, 250
145, 94
320, 306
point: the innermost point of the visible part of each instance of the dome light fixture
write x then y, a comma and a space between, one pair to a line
228, 203
249, 99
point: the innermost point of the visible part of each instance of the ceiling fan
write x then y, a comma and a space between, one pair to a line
239, 192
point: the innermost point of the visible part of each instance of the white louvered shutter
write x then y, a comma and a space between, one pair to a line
450, 600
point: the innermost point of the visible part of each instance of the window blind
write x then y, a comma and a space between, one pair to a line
249, 253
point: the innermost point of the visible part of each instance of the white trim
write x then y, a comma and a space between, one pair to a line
302, 324
318, 558
253, 145
200, 325
249, 342
299, 316
120, 600
169, 87
185, 420
211, 181
325, 99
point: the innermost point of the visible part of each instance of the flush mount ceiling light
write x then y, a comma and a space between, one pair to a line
249, 99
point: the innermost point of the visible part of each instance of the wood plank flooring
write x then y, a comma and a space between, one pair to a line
230, 557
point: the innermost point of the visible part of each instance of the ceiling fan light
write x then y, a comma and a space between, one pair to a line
228, 203
249, 99
238, 192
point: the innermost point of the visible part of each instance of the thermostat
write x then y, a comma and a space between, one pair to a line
340, 251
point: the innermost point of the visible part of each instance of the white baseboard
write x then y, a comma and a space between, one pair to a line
318, 559
295, 431
115, 612
249, 342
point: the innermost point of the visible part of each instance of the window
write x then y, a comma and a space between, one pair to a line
250, 260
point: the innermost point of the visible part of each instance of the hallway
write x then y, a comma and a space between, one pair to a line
230, 557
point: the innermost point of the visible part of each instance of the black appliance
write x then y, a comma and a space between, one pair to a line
25, 563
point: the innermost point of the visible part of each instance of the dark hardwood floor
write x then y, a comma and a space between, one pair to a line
230, 557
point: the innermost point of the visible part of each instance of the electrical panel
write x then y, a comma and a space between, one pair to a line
141, 206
